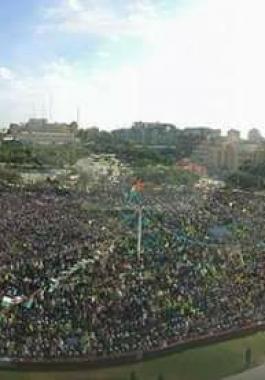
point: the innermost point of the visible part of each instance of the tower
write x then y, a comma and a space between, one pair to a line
78, 116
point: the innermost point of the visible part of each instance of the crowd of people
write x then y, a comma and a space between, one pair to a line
84, 292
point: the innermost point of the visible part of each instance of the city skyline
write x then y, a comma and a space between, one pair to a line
45, 121
192, 63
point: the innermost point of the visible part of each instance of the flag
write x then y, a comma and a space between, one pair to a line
17, 300
8, 301
138, 185
135, 192
28, 304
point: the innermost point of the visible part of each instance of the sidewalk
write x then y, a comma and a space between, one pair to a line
257, 373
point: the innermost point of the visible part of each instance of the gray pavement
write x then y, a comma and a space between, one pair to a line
257, 373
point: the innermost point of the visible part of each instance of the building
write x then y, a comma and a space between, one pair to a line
255, 136
226, 154
40, 131
149, 133
165, 134
202, 132
233, 136
192, 167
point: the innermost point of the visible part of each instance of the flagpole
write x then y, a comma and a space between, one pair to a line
139, 237
139, 248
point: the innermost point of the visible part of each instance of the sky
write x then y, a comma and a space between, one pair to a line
187, 62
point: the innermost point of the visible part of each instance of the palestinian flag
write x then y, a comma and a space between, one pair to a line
8, 301
136, 190
28, 304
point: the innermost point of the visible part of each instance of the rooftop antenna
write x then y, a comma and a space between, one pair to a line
78, 116
33, 110
43, 111
50, 107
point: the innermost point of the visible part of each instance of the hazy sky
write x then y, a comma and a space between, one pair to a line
189, 62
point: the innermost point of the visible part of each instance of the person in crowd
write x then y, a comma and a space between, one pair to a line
71, 284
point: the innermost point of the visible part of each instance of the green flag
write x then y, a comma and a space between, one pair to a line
28, 304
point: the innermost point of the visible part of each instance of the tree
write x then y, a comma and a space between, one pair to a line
165, 174
9, 176
251, 175
251, 178
84, 180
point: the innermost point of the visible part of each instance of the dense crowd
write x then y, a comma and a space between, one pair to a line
201, 271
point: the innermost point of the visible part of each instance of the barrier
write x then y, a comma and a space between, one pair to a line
96, 362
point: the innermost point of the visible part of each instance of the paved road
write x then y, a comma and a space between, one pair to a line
253, 374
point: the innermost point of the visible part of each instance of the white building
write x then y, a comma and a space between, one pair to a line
39, 131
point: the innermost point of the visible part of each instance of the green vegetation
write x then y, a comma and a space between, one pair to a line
38, 156
15, 153
57, 156
60, 155
153, 165
9, 176
250, 176
98, 142
245, 180
136, 153
161, 174
130, 153
257, 169
147, 163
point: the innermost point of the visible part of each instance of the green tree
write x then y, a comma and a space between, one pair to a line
84, 181
9, 176
165, 174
